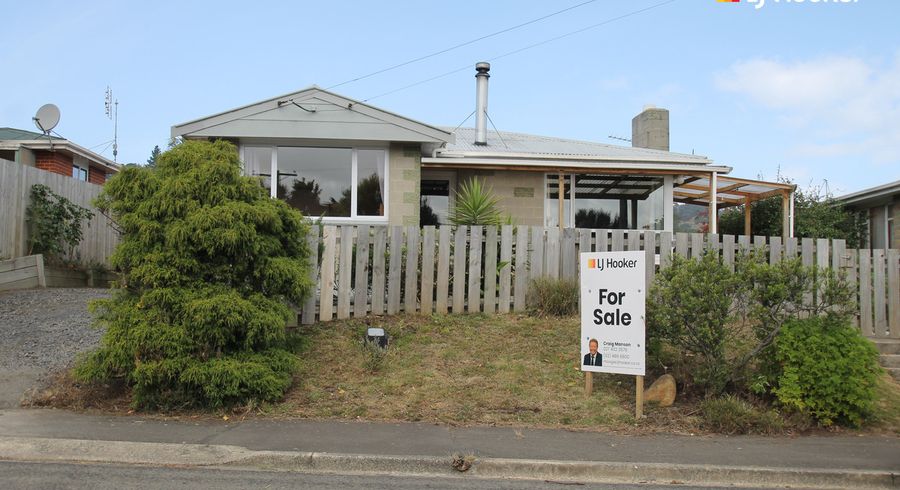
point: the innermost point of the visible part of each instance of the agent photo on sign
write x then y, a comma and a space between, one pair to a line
593, 358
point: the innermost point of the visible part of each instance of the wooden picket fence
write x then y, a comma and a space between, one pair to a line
377, 270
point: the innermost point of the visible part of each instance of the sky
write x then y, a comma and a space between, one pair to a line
806, 90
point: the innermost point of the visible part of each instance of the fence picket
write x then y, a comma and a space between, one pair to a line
774, 249
712, 242
879, 303
427, 295
361, 279
634, 240
326, 303
682, 244
411, 293
650, 251
823, 261
345, 267
394, 265
728, 251
865, 292
459, 269
584, 241
806, 257
308, 315
617, 241
665, 250
743, 244
443, 270
506, 269
569, 261
696, 245
893, 291
474, 303
536, 260
490, 268
759, 244
551, 258
602, 240
790, 248
521, 278
378, 272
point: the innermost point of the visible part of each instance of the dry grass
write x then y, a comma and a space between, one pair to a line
887, 406
498, 370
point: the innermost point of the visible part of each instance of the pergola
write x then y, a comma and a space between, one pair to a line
721, 191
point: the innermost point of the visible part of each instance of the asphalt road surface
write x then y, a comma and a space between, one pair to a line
18, 475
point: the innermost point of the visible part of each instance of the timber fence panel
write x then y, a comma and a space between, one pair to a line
893, 291
682, 243
308, 315
569, 260
394, 266
506, 268
326, 301
361, 276
536, 260
345, 261
665, 250
634, 240
474, 301
728, 251
379, 276
865, 292
427, 295
459, 269
521, 277
490, 267
712, 242
443, 271
602, 241
617, 241
410, 300
743, 244
879, 305
696, 245
551, 258
790, 248
759, 244
774, 249
584, 241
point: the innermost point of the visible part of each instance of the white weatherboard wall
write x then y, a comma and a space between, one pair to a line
16, 181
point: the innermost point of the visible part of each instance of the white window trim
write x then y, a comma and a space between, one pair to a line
354, 172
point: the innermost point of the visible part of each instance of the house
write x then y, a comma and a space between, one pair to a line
57, 155
881, 206
349, 162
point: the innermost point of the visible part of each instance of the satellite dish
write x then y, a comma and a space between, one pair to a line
47, 117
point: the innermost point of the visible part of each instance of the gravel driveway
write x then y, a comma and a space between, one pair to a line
42, 331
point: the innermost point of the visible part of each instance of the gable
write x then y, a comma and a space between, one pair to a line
312, 114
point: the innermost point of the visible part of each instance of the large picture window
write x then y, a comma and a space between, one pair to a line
342, 183
606, 201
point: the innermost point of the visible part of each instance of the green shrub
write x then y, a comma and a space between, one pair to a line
553, 297
731, 415
828, 370
54, 223
209, 262
476, 204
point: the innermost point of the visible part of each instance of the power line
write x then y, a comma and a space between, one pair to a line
530, 46
442, 51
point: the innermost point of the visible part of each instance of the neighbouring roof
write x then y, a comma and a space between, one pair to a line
502, 143
872, 196
314, 114
13, 139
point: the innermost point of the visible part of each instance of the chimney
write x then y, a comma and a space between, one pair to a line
481, 100
650, 129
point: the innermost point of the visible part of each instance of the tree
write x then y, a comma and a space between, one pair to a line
209, 262
154, 155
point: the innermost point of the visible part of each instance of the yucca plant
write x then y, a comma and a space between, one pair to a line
476, 204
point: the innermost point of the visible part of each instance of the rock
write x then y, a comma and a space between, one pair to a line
662, 391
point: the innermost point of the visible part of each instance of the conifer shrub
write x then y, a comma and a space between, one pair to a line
209, 263
828, 370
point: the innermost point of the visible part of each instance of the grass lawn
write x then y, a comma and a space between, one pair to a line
456, 369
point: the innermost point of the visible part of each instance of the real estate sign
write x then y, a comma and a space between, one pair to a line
613, 295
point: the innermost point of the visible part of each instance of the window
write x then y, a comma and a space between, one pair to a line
434, 208
347, 183
606, 201
79, 173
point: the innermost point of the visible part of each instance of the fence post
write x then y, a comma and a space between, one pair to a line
490, 269
474, 305
427, 294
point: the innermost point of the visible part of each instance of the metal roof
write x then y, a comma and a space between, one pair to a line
505, 144
730, 191
872, 196
10, 134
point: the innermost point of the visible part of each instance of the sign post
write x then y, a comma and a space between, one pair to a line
613, 307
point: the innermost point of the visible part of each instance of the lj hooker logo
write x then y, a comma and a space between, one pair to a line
601, 264
762, 3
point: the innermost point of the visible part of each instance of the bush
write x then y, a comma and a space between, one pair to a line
828, 370
553, 297
54, 223
208, 263
732, 415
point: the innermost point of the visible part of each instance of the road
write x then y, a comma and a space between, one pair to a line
20, 475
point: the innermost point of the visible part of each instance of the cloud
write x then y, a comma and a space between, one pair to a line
836, 106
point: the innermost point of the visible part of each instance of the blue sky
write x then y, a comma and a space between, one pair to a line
812, 89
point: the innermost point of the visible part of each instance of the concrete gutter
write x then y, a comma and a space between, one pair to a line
222, 456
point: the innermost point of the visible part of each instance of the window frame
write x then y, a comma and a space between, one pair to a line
79, 170
354, 179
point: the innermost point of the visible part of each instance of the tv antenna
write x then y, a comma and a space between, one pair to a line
619, 138
46, 118
112, 112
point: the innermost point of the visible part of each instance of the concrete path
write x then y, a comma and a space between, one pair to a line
818, 461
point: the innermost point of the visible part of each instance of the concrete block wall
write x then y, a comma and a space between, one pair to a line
521, 193
405, 181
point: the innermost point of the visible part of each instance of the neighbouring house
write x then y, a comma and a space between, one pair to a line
349, 163
881, 206
57, 155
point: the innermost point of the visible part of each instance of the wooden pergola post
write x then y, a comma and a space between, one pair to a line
713, 204
747, 211
787, 211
